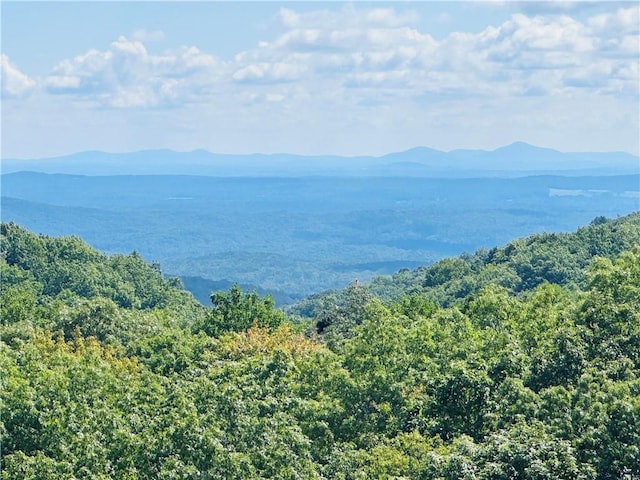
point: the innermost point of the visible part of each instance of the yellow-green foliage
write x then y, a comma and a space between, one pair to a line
543, 383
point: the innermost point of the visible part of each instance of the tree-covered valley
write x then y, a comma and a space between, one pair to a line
295, 236
519, 361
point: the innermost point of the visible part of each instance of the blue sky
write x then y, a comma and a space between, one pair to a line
318, 77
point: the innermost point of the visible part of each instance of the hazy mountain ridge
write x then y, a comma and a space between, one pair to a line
510, 160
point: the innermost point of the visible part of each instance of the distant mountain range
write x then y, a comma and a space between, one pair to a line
512, 160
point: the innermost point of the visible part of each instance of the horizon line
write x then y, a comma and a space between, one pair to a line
306, 155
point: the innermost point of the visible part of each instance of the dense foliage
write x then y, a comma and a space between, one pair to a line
523, 264
535, 379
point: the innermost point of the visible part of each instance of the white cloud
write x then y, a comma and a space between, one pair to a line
622, 21
127, 75
381, 51
14, 82
349, 47
369, 52
269, 73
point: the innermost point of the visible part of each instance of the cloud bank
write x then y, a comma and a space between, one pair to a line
127, 75
353, 79
366, 52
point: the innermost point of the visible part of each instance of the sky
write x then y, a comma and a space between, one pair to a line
315, 78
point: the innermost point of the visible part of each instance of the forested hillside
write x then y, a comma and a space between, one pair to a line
520, 362
519, 266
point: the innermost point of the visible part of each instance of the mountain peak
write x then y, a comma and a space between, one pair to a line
524, 147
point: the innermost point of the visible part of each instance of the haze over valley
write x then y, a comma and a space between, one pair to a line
292, 226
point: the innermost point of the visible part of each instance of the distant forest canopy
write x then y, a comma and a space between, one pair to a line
521, 361
291, 237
